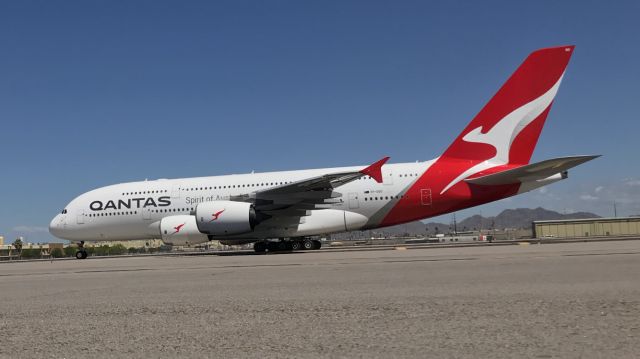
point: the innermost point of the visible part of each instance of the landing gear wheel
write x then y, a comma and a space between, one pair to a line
259, 247
286, 246
273, 246
307, 244
296, 245
81, 253
316, 244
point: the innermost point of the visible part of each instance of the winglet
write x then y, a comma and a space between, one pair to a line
375, 170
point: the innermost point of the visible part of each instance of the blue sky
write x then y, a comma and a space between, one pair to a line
101, 92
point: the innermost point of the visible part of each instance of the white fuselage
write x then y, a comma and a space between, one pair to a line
130, 211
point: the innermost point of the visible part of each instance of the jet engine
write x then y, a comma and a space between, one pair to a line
222, 218
181, 230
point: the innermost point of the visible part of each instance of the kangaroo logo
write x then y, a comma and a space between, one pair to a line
216, 215
178, 228
502, 134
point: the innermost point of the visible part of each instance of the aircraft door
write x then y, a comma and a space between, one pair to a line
80, 218
425, 196
175, 191
146, 213
353, 200
387, 176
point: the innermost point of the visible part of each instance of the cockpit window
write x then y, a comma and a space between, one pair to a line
64, 211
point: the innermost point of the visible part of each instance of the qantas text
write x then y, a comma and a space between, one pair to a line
131, 203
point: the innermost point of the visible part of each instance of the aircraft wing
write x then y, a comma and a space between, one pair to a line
294, 199
531, 172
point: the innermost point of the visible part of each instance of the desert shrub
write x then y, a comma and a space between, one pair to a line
70, 251
31, 253
118, 249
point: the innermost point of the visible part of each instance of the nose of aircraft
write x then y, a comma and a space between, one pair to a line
56, 226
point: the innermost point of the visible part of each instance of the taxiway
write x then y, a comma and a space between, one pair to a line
553, 300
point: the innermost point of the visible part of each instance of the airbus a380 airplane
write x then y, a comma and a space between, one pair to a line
488, 161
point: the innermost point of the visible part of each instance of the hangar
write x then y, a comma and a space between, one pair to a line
590, 227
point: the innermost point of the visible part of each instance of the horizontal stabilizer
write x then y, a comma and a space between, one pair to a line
532, 172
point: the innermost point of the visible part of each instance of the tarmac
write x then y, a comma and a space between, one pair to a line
565, 300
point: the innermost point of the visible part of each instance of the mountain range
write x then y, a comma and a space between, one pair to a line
519, 218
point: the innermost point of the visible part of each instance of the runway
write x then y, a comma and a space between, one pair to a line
573, 300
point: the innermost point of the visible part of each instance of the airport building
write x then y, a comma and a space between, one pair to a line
591, 227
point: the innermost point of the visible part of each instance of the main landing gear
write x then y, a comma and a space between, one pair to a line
291, 244
81, 253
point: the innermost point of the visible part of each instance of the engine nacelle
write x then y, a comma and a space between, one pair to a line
223, 218
181, 230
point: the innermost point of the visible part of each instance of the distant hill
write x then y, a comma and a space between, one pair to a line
520, 218
509, 218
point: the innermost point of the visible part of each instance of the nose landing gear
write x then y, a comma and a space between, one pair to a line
81, 253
